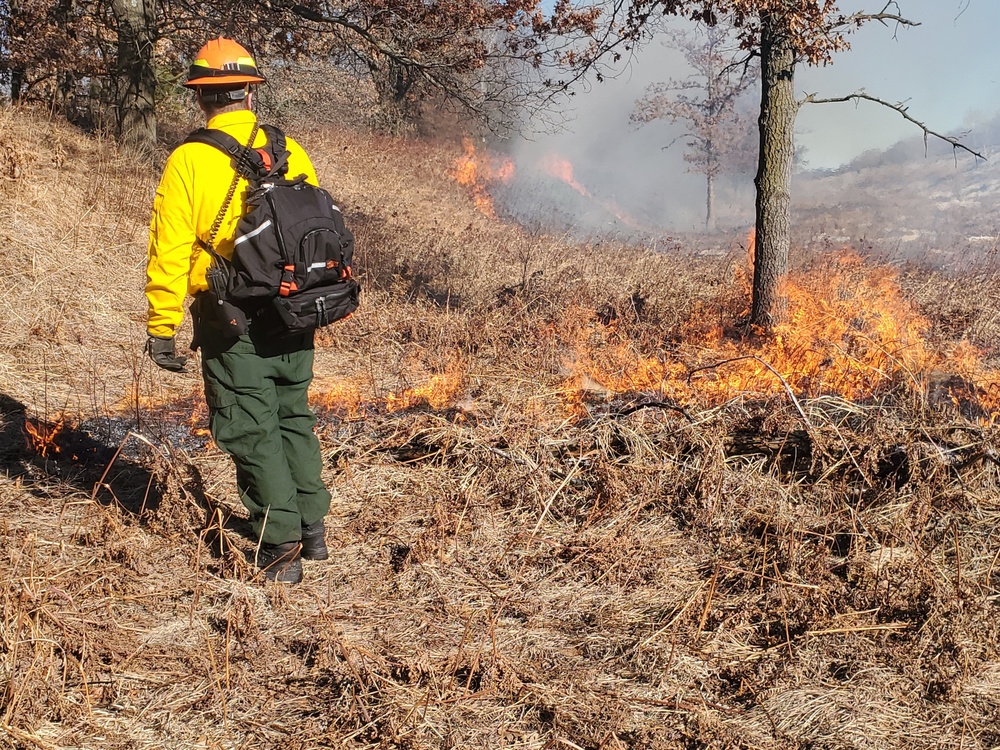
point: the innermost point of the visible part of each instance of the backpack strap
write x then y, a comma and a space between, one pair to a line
279, 151
251, 166
240, 154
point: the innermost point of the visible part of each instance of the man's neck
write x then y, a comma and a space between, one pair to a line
211, 112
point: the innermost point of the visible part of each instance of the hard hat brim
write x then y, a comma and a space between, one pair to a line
221, 80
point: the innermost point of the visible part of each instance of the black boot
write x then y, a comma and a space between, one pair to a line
281, 562
313, 543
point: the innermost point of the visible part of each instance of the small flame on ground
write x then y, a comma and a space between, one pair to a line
339, 396
41, 436
476, 171
438, 392
345, 397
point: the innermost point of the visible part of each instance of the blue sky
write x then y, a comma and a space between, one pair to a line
948, 69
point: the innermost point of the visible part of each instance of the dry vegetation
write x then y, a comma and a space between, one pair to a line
537, 540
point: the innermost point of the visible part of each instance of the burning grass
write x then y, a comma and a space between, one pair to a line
850, 333
476, 172
570, 509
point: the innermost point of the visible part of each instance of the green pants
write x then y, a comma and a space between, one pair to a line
259, 414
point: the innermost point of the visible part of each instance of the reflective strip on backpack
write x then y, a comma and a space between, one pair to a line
321, 311
254, 233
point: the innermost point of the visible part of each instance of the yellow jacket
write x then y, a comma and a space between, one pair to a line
192, 189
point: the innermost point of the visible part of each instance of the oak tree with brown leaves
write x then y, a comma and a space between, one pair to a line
473, 53
448, 50
42, 47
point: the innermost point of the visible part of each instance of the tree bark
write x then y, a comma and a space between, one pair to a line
135, 77
778, 109
710, 202
16, 84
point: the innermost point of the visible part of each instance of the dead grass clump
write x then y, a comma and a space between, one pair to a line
954, 302
75, 218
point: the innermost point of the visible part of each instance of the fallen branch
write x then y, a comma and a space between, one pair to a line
653, 405
861, 628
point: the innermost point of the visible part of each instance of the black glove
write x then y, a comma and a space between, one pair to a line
161, 350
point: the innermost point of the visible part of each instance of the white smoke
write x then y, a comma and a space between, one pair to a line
637, 186
624, 165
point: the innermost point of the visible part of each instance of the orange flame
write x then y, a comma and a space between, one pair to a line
337, 395
475, 172
346, 397
562, 169
41, 436
438, 392
849, 332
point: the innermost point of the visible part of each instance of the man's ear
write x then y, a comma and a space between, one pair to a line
250, 100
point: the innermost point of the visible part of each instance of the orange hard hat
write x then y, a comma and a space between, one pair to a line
222, 62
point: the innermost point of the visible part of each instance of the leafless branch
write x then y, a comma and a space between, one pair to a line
890, 12
903, 110
394, 54
679, 138
884, 17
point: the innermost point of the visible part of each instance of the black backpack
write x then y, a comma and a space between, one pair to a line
292, 247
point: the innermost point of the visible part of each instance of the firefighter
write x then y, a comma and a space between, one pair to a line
255, 384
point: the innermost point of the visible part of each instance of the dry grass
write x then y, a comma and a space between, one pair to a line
510, 568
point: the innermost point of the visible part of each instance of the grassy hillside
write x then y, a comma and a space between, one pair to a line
574, 505
916, 200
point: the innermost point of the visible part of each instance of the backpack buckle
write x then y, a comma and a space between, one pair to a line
287, 285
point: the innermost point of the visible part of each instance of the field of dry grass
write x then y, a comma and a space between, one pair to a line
574, 507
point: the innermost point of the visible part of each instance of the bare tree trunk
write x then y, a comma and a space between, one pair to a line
710, 202
778, 109
16, 84
135, 73
12, 46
